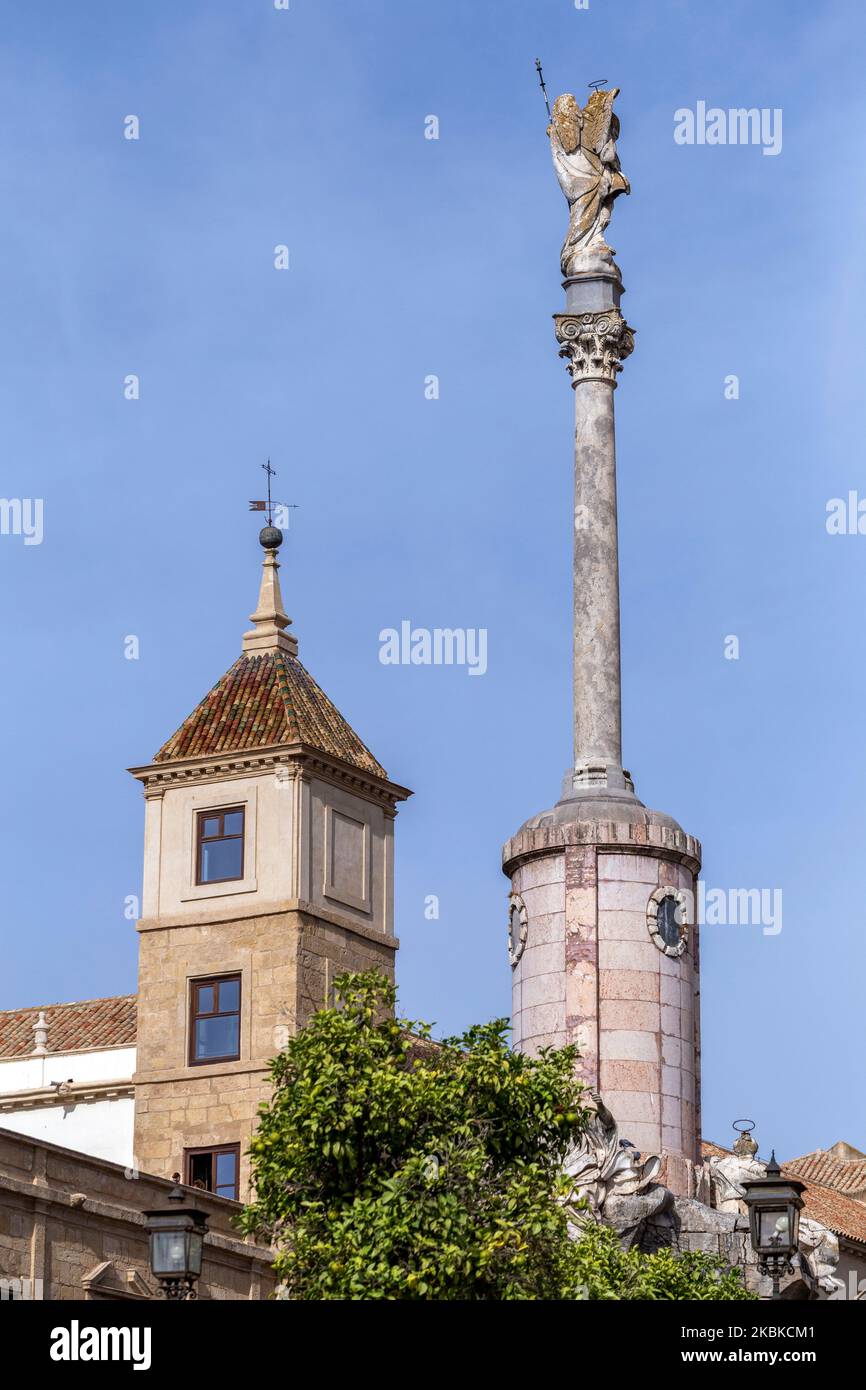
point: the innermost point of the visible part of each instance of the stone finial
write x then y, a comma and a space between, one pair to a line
270, 618
40, 1035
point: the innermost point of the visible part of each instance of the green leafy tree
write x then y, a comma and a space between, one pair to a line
387, 1166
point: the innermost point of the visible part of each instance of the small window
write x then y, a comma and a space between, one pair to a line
220, 845
214, 1170
215, 1020
667, 918
667, 921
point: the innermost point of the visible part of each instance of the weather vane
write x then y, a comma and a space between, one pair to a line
260, 505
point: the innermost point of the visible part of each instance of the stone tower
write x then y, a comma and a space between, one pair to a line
603, 940
268, 870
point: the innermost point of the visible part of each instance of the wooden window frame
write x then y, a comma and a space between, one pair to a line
219, 813
213, 982
213, 1150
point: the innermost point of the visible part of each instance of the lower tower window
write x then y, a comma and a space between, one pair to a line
214, 1170
215, 1020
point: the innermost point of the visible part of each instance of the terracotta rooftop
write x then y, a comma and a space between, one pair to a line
848, 1177
89, 1023
709, 1150
844, 1215
263, 700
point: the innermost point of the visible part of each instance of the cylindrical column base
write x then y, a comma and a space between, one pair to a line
609, 961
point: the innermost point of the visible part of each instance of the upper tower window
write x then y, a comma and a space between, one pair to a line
220, 845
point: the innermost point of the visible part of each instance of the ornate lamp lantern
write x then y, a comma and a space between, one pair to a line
176, 1237
774, 1204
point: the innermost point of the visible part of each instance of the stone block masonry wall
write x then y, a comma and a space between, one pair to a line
180, 1106
71, 1227
648, 1012
287, 961
328, 950
539, 978
590, 973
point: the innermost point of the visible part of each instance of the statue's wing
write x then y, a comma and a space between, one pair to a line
597, 118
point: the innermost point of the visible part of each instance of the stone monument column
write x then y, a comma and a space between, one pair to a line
594, 341
602, 934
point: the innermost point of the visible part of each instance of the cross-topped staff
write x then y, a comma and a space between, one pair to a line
543, 88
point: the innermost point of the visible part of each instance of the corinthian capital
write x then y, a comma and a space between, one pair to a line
594, 345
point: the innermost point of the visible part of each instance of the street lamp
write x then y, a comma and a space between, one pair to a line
176, 1237
774, 1204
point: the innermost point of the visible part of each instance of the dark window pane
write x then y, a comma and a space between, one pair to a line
200, 1170
220, 859
234, 823
205, 1001
230, 996
211, 826
667, 924
216, 1037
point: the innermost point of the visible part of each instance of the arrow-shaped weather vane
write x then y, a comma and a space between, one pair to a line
260, 505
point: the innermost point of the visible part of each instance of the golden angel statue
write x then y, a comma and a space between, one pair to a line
583, 145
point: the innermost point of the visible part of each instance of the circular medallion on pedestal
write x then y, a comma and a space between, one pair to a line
518, 927
667, 920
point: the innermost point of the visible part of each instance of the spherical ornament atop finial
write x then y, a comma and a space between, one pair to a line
271, 537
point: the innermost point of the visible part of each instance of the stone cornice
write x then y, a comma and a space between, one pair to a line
615, 837
52, 1053
297, 758
47, 1197
594, 345
81, 1093
284, 907
171, 1075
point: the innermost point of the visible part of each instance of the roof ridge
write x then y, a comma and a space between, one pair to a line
332, 715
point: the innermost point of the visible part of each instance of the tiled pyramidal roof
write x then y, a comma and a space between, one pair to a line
71, 1027
267, 699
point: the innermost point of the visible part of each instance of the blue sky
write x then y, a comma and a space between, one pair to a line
410, 257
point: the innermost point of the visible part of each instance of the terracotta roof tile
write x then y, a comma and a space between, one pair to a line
822, 1168
709, 1150
266, 699
89, 1023
844, 1215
